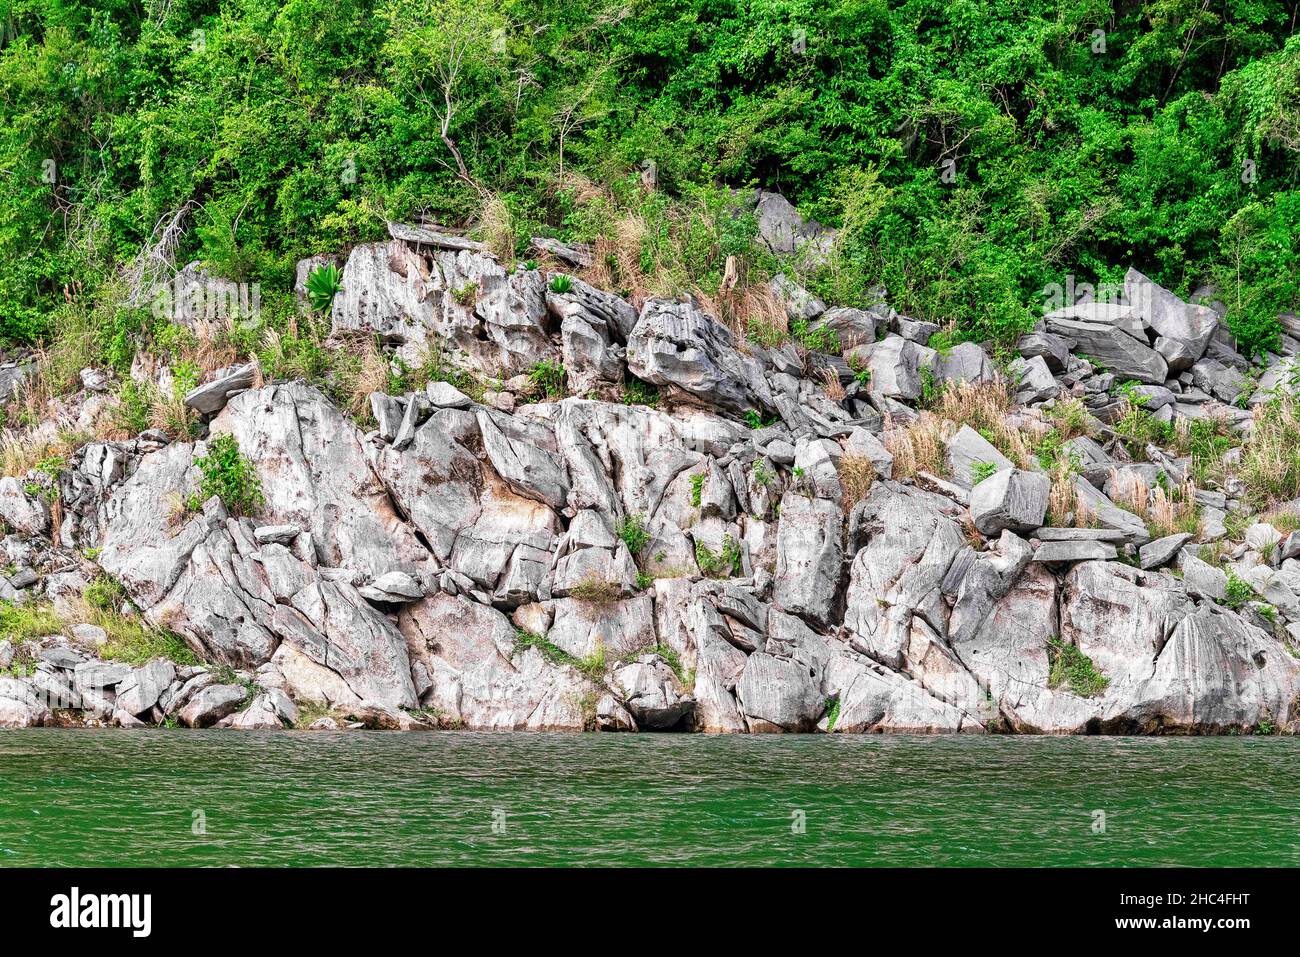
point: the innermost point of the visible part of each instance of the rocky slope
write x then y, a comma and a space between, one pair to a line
743, 557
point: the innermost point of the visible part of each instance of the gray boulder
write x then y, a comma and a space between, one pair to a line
1010, 499
1169, 316
778, 694
1113, 348
674, 344
809, 557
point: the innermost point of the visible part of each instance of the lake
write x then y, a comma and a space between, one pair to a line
180, 797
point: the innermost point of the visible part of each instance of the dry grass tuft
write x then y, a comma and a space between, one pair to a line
917, 446
1065, 509
1173, 512
856, 476
831, 385
496, 228
1071, 419
981, 405
1270, 465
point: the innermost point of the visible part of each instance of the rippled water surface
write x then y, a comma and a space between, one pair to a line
136, 798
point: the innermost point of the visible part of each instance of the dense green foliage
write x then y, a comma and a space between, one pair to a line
972, 153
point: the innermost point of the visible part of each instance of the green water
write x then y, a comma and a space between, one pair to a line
136, 798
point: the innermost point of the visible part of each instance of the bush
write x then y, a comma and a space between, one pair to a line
549, 377
633, 533
230, 476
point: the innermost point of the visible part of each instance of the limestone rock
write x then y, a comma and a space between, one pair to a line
1009, 499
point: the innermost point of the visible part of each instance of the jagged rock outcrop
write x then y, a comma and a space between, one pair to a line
761, 552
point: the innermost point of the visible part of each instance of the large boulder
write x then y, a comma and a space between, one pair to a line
1010, 499
809, 557
1113, 348
675, 345
778, 694
895, 367
1170, 317
405, 290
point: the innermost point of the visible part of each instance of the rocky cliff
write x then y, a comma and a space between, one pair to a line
880, 536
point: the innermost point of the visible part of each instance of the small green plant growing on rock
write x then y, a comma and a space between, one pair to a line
832, 713
697, 488
1238, 591
561, 284
466, 295
762, 474
1070, 666
229, 475
638, 392
820, 339
632, 531
722, 564
323, 284
104, 593
549, 377
755, 420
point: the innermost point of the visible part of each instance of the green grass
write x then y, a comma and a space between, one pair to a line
20, 623
592, 666
979, 471
132, 642
1071, 667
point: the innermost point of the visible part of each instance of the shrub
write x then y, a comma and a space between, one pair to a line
1070, 666
323, 284
561, 284
229, 475
633, 533
697, 488
549, 377
979, 471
